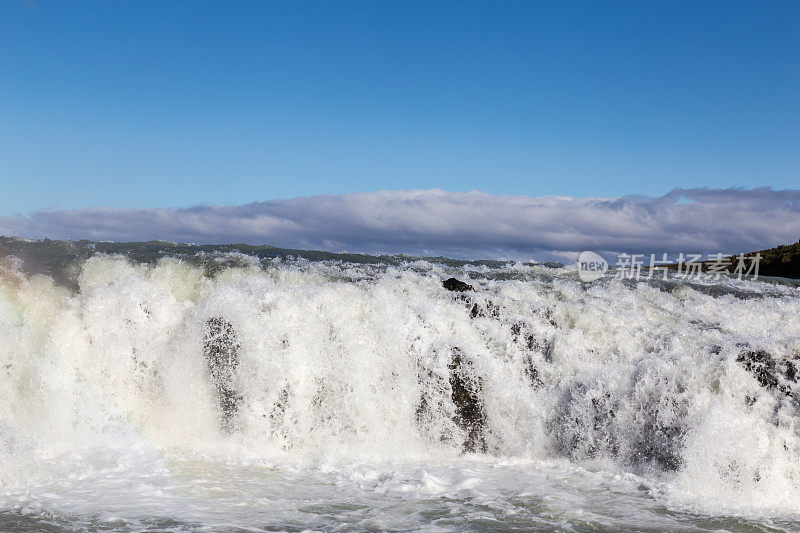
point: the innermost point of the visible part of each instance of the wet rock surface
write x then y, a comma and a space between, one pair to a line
637, 429
221, 351
770, 373
470, 414
455, 285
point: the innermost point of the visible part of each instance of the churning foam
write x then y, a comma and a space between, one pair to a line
588, 398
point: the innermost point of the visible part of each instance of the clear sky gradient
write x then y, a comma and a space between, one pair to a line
141, 104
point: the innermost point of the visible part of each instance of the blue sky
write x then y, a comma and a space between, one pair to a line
144, 104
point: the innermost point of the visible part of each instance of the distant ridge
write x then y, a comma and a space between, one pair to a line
781, 261
59, 258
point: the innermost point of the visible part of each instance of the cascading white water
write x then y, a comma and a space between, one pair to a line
175, 398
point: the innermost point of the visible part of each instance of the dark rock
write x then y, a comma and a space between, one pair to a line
221, 350
429, 408
489, 308
637, 428
769, 373
522, 335
660, 439
455, 285
549, 315
583, 425
791, 372
470, 414
477, 309
278, 417
532, 372
279, 409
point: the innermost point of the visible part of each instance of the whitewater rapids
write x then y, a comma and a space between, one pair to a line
284, 394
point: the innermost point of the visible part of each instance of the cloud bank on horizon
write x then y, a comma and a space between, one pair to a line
469, 225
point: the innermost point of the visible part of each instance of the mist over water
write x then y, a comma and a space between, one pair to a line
219, 389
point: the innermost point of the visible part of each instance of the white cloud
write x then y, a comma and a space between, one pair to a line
473, 224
